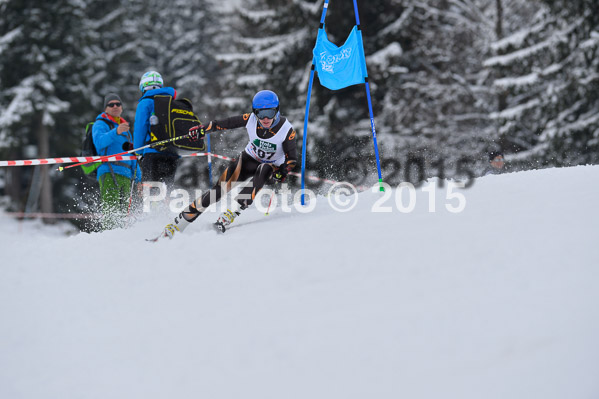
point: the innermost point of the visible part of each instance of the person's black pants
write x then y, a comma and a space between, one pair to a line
159, 166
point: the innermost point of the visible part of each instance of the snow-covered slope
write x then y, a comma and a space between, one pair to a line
497, 301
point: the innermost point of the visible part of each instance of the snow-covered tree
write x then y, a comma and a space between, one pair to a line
42, 58
431, 94
549, 72
435, 96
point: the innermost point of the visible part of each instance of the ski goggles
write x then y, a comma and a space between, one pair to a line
269, 113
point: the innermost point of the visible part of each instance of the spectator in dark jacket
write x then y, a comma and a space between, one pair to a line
496, 163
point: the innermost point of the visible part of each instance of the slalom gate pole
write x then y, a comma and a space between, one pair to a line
102, 157
376, 147
305, 138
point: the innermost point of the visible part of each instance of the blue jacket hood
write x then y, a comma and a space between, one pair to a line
169, 91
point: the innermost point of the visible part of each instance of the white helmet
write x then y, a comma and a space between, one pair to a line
150, 80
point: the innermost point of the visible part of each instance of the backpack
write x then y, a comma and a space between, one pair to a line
175, 118
88, 149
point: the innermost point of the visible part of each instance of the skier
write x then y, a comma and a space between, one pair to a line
270, 154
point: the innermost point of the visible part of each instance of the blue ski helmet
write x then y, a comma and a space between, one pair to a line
265, 99
266, 104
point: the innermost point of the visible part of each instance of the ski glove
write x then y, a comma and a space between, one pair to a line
280, 174
196, 132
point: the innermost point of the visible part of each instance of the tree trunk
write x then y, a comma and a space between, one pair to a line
501, 98
43, 143
13, 182
499, 22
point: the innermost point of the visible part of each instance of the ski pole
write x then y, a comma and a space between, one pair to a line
269, 202
131, 191
103, 157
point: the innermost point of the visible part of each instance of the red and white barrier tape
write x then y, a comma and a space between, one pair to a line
51, 215
206, 154
56, 161
49, 161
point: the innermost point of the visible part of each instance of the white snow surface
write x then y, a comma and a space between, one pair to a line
498, 301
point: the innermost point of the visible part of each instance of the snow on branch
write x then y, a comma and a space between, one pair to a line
7, 39
537, 150
272, 47
474, 11
430, 11
383, 57
593, 41
234, 102
312, 8
517, 39
517, 111
518, 55
520, 81
396, 26
527, 80
20, 105
550, 43
252, 80
231, 57
108, 19
257, 16
562, 126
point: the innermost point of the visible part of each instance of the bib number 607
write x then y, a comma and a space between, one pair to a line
262, 154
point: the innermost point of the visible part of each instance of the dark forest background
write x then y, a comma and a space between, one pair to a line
450, 80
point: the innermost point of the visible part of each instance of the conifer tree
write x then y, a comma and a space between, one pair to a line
549, 73
42, 47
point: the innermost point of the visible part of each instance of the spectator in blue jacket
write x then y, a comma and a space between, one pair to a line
111, 135
157, 166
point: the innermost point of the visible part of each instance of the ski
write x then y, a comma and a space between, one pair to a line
158, 237
154, 239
